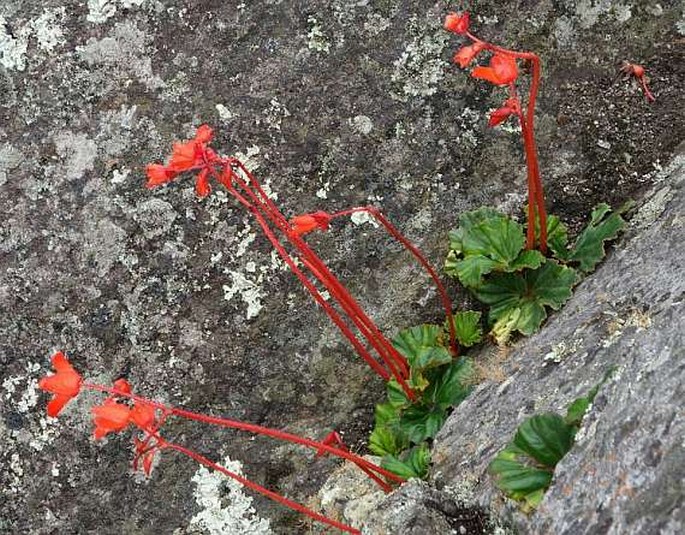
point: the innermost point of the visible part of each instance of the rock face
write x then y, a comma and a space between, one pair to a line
625, 473
334, 104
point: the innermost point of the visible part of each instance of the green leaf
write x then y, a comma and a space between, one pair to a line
420, 422
470, 270
423, 349
589, 247
524, 469
557, 237
411, 341
452, 385
384, 441
396, 396
386, 413
467, 328
430, 357
498, 238
517, 479
468, 220
518, 300
415, 463
486, 241
545, 437
527, 259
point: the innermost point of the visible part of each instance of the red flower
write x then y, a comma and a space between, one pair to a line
157, 175
110, 417
202, 187
457, 23
184, 157
65, 384
465, 55
193, 152
502, 70
638, 71
302, 224
142, 415
511, 106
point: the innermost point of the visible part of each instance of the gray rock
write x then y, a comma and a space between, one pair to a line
625, 472
336, 103
418, 509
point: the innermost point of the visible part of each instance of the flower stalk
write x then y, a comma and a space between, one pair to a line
503, 71
122, 409
287, 238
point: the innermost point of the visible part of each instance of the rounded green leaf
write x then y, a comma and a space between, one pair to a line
545, 437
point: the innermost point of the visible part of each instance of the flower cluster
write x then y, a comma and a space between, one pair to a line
503, 71
343, 309
122, 409
191, 155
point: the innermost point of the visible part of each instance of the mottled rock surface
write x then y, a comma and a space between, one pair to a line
333, 103
625, 474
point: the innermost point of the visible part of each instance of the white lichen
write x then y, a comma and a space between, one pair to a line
10, 158
316, 39
224, 113
250, 291
77, 151
360, 218
48, 31
420, 67
13, 46
226, 508
123, 53
361, 124
275, 114
249, 157
101, 10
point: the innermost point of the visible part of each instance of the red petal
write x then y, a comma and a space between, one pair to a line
467, 54
502, 70
122, 385
204, 134
60, 362
157, 175
147, 462
485, 73
457, 23
505, 68
56, 404
302, 224
143, 415
183, 156
499, 116
202, 187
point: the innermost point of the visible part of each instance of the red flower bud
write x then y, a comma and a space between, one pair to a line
457, 23
302, 224
465, 55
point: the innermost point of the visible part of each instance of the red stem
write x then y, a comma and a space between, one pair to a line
648, 94
537, 194
253, 428
395, 233
335, 317
386, 351
258, 488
